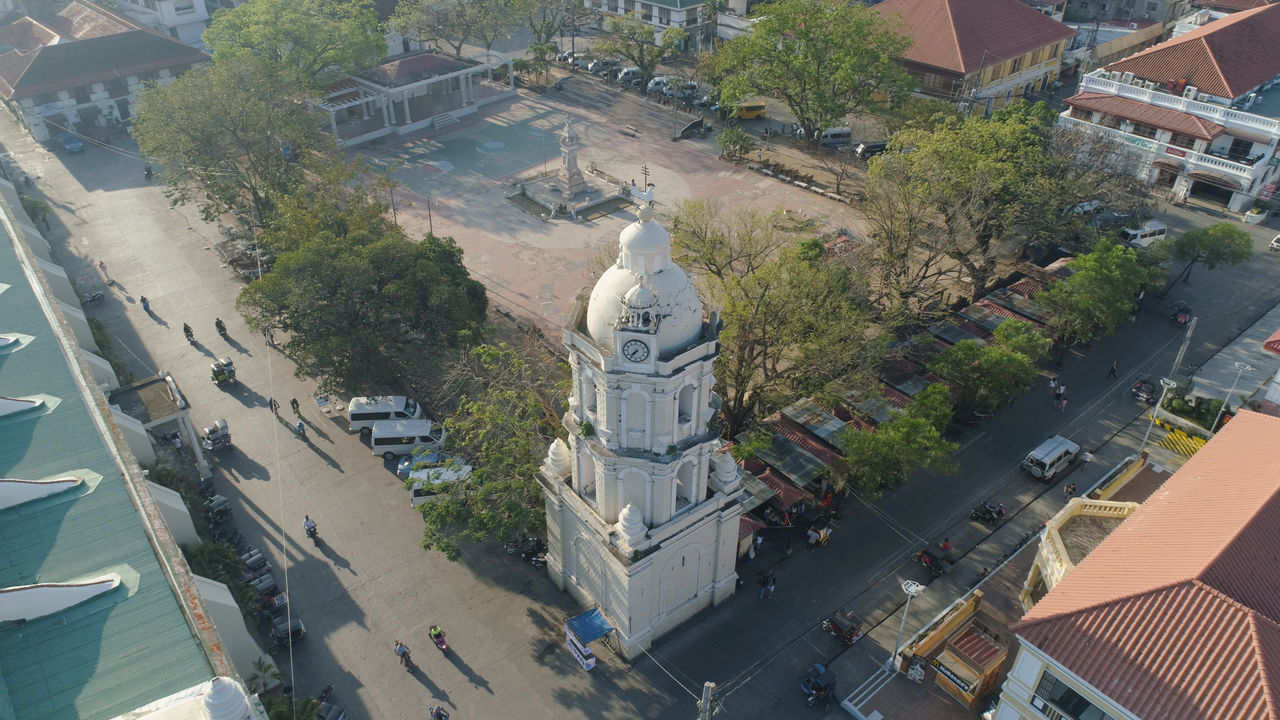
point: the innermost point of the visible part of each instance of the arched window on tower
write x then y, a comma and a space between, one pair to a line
684, 487
587, 479
685, 405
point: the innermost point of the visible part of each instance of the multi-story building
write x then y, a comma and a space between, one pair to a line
1198, 115
83, 67
1126, 11
184, 20
663, 14
1176, 613
100, 616
981, 53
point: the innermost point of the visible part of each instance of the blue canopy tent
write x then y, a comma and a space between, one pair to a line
583, 630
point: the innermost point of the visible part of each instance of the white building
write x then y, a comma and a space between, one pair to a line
1201, 116
663, 14
183, 20
642, 512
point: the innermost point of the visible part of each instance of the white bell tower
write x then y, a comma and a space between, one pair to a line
642, 503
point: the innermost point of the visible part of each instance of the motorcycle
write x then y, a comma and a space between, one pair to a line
1181, 314
985, 513
438, 713
406, 660
223, 372
1145, 391
844, 626
440, 642
147, 172
221, 327
189, 333
311, 531
818, 684
932, 561
216, 437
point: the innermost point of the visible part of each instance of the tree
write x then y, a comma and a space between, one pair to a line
235, 134
1215, 246
1023, 338
898, 447
359, 300
636, 41
734, 142
984, 376
709, 21
1099, 295
933, 404
438, 22
509, 413
322, 39
793, 320
494, 20
980, 177
823, 60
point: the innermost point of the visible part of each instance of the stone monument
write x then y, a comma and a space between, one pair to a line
570, 177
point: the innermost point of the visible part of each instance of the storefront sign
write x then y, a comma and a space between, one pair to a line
1176, 152
946, 672
1267, 191
1139, 142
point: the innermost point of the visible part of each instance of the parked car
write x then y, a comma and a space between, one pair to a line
600, 66
565, 56
1275, 244
658, 84
427, 457
868, 150
628, 74
681, 89
70, 142
1089, 207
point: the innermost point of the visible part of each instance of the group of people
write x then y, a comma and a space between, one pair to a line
1058, 393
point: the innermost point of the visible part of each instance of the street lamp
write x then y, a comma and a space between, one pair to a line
1166, 384
912, 589
1240, 368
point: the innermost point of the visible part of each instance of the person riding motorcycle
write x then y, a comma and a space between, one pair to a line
221, 326
309, 526
436, 633
186, 330
402, 650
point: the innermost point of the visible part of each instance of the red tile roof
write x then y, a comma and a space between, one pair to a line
1225, 58
1027, 287
747, 526
1138, 111
787, 494
1231, 5
967, 35
1177, 613
1273, 343
1005, 312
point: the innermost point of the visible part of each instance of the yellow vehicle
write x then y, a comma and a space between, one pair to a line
750, 110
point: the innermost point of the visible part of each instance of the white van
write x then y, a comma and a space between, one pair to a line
426, 483
363, 412
1141, 238
392, 438
836, 137
1050, 457
626, 75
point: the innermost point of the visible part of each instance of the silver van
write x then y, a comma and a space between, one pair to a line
836, 137
393, 438
363, 412
426, 483
1141, 238
1050, 457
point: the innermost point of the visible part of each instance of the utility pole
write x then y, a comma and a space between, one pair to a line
704, 705
1177, 363
644, 173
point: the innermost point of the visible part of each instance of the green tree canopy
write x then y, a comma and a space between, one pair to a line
322, 39
824, 60
1217, 245
1099, 295
359, 300
509, 413
793, 321
1023, 338
636, 41
983, 376
235, 134
933, 404
898, 447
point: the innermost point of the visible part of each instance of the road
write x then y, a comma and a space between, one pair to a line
368, 584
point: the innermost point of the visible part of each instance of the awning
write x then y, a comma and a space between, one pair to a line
747, 526
1140, 112
1273, 343
787, 494
1214, 178
589, 627
1174, 166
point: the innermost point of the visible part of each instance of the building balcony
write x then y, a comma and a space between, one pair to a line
1228, 118
1067, 538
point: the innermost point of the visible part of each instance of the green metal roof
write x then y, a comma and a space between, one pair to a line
125, 648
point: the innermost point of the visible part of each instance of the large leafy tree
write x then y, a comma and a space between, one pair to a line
359, 301
1215, 246
509, 412
236, 134
984, 376
1100, 293
908, 442
824, 60
1023, 338
793, 320
637, 42
321, 39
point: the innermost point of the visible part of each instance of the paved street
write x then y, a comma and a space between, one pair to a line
368, 584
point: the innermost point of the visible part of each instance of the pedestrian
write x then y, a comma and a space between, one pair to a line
293, 403
1062, 390
275, 406
758, 542
270, 336
44, 218
1053, 388
763, 584
1114, 367
811, 540
1086, 457
102, 268
1062, 405
773, 583
945, 545
1068, 491
999, 511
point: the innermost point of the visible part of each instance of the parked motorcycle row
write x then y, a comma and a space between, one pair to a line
530, 549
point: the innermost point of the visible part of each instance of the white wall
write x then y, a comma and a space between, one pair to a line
236, 640
176, 516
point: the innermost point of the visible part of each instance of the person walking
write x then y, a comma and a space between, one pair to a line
1062, 390
102, 268
770, 585
1062, 405
1053, 389
1068, 491
811, 538
763, 584
275, 406
1114, 367
270, 336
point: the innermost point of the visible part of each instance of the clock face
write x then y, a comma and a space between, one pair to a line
635, 350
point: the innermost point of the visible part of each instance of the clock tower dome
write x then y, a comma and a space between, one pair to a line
642, 501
